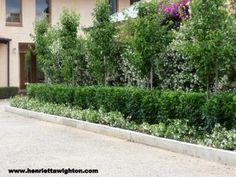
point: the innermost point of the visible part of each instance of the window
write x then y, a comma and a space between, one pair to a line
133, 1
13, 12
113, 5
42, 7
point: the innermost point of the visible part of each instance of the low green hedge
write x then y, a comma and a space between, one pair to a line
142, 105
7, 92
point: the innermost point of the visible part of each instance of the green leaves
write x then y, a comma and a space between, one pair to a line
221, 138
204, 38
60, 51
147, 39
72, 49
143, 105
102, 45
146, 51
178, 129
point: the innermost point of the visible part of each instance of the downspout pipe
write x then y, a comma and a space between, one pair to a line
8, 63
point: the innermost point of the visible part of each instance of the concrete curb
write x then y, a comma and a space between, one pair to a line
207, 153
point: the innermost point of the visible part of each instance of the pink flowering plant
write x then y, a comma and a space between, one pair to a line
175, 8
175, 11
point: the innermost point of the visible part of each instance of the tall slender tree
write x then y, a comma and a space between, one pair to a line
209, 39
101, 43
150, 38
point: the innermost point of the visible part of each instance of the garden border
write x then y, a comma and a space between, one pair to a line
207, 153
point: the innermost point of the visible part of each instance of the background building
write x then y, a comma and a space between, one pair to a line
16, 26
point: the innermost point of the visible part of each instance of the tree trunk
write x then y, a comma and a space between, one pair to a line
129, 80
105, 71
151, 78
207, 86
216, 75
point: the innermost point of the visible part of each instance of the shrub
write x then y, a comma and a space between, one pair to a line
114, 119
220, 109
190, 106
176, 72
60, 94
168, 105
143, 105
176, 129
221, 138
7, 92
172, 129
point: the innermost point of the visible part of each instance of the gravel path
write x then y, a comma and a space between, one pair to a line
28, 143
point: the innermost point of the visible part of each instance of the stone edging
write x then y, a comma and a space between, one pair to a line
207, 153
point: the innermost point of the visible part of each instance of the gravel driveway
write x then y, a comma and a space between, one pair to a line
28, 143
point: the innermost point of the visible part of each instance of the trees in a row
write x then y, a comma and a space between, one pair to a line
60, 50
166, 46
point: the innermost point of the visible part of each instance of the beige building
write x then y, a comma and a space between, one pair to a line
16, 25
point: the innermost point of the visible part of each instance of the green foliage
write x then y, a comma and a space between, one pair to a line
7, 92
72, 49
221, 138
60, 94
143, 105
176, 72
48, 59
101, 44
176, 129
208, 38
221, 108
146, 9
191, 106
60, 51
143, 51
147, 41
115, 119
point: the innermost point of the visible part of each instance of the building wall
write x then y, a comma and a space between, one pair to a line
123, 4
3, 65
22, 34
83, 7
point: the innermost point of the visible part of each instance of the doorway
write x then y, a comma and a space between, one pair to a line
28, 65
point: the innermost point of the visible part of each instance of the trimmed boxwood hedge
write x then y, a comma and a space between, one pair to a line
7, 92
143, 105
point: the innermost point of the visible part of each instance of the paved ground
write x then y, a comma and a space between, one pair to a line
28, 143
